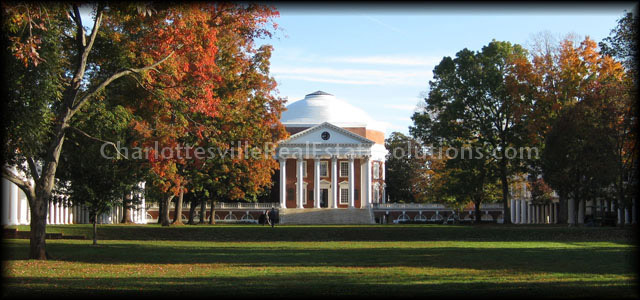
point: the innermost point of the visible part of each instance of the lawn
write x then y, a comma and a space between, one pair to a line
377, 260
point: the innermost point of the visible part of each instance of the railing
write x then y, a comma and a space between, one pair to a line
245, 205
438, 206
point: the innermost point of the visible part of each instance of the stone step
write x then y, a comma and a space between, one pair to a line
325, 216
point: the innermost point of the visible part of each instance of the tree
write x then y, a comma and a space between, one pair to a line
579, 154
481, 99
167, 50
621, 43
402, 168
570, 73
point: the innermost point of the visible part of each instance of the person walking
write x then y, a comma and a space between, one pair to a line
272, 216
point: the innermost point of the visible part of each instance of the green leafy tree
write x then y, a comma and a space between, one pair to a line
579, 154
403, 168
480, 99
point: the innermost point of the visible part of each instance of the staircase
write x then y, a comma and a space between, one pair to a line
322, 216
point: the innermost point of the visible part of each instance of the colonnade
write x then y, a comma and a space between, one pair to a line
16, 211
525, 212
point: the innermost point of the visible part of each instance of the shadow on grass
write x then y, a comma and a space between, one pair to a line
351, 233
296, 284
597, 260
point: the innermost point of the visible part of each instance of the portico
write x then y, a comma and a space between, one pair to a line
332, 165
333, 158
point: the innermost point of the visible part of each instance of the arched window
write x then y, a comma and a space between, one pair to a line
230, 217
403, 217
420, 217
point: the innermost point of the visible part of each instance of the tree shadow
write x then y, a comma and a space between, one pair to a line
585, 260
299, 284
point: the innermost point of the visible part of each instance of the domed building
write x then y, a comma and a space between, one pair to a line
334, 157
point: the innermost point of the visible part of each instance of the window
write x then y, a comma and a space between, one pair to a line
324, 168
344, 169
344, 196
376, 170
376, 194
304, 195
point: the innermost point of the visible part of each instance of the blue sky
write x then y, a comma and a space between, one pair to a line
381, 59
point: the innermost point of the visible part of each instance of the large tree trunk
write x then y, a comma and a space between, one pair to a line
160, 210
95, 229
177, 218
43, 188
212, 213
192, 212
562, 210
37, 243
478, 212
505, 189
126, 208
164, 214
203, 211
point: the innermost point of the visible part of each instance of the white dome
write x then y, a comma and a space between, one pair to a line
319, 107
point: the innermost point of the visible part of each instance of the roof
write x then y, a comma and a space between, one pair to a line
319, 107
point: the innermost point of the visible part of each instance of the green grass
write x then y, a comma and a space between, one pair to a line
409, 260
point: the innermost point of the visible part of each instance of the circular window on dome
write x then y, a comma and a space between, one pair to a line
325, 135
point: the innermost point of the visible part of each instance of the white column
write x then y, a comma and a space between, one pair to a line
134, 214
52, 215
367, 184
71, 214
300, 173
283, 183
334, 182
351, 183
87, 220
58, 213
316, 182
143, 206
384, 185
65, 214
22, 208
619, 215
581, 211
513, 210
516, 212
13, 211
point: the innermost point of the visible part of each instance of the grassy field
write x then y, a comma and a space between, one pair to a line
377, 260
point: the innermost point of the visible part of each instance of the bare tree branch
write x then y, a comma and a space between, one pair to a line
21, 183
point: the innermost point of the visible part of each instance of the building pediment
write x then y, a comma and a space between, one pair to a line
326, 133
